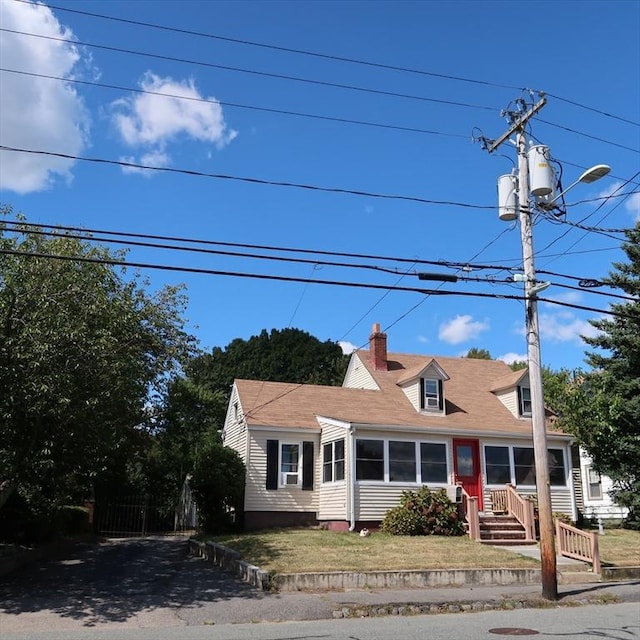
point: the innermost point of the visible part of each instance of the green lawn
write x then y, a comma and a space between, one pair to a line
620, 548
305, 550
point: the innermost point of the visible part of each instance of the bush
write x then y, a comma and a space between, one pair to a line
423, 513
217, 484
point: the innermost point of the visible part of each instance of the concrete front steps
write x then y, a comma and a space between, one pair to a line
502, 530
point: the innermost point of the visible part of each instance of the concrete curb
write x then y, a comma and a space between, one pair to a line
230, 560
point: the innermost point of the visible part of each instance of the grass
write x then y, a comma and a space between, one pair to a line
620, 547
307, 550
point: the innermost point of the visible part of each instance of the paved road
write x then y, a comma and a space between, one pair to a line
612, 622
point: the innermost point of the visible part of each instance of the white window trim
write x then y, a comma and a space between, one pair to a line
435, 408
282, 475
512, 466
521, 401
333, 462
418, 463
588, 471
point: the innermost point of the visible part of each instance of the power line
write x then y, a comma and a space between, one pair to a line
333, 57
279, 278
238, 106
587, 135
17, 226
584, 106
315, 263
212, 65
272, 183
263, 45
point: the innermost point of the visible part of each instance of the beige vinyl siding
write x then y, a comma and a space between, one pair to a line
333, 495
333, 501
357, 376
412, 391
235, 431
509, 399
374, 500
257, 498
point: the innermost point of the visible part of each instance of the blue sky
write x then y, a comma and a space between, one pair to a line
474, 59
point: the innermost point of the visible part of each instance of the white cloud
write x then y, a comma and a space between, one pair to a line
155, 158
460, 329
347, 347
153, 121
633, 205
564, 327
38, 113
512, 357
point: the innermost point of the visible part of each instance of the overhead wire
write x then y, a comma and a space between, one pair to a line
273, 183
280, 278
587, 135
326, 56
283, 49
266, 74
236, 105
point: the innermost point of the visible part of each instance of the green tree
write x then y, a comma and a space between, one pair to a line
613, 441
196, 403
602, 406
479, 354
83, 349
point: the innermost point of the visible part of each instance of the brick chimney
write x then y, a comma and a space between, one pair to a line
378, 348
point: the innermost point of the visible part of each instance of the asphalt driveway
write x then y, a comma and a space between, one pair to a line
139, 582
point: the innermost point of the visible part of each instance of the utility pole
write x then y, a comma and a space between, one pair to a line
541, 456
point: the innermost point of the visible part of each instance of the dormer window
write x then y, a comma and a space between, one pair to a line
432, 394
524, 398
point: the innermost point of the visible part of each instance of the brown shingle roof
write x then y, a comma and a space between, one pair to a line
471, 407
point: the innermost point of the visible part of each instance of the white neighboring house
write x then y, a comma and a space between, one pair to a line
595, 492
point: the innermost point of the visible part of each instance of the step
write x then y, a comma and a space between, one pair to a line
508, 543
503, 535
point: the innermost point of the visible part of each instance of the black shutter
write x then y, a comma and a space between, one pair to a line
272, 464
440, 395
519, 401
422, 402
307, 466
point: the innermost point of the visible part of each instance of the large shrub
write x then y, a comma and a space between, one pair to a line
423, 513
218, 487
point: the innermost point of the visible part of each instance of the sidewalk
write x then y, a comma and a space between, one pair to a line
280, 607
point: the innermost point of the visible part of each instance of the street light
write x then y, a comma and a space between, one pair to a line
590, 175
511, 207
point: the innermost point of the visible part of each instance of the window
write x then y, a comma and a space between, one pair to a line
524, 394
517, 464
525, 470
402, 461
432, 394
594, 484
289, 464
497, 465
433, 462
369, 460
333, 461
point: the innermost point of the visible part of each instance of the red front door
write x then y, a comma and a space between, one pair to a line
466, 466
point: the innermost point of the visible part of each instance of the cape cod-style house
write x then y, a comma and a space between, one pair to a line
341, 456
